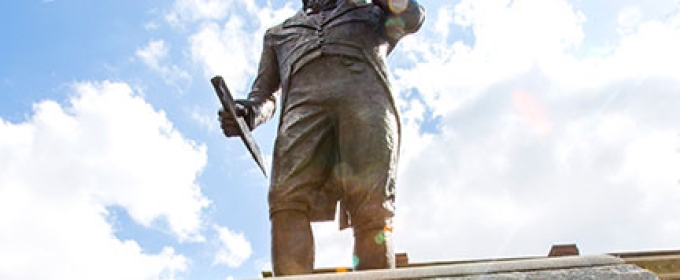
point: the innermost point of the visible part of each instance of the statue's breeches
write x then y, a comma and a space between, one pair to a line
337, 141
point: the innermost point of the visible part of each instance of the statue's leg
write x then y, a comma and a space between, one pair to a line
301, 167
373, 248
292, 243
368, 144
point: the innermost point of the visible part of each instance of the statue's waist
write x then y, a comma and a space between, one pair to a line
329, 53
336, 81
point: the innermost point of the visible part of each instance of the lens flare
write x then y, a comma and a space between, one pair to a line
380, 238
532, 110
388, 228
398, 6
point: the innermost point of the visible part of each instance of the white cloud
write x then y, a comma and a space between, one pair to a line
510, 37
628, 18
234, 248
229, 52
232, 49
196, 10
643, 49
542, 141
151, 26
205, 118
60, 170
192, 11
154, 55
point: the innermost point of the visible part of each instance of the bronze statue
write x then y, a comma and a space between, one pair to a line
338, 135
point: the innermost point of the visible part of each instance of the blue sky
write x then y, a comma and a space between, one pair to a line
526, 123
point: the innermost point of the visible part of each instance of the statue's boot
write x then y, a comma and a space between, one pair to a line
373, 248
292, 243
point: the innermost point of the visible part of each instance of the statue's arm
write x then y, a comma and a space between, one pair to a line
262, 98
412, 16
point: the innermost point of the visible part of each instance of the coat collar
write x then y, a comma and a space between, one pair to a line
301, 19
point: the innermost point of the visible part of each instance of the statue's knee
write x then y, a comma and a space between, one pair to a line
373, 225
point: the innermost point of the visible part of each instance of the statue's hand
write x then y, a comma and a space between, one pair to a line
228, 121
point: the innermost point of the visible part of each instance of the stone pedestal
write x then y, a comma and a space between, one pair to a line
573, 267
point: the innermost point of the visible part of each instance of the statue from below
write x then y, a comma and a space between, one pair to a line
339, 131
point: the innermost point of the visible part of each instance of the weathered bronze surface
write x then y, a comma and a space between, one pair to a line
338, 135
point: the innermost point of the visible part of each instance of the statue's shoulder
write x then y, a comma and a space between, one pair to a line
298, 19
274, 29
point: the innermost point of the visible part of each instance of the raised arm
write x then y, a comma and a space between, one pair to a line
403, 17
